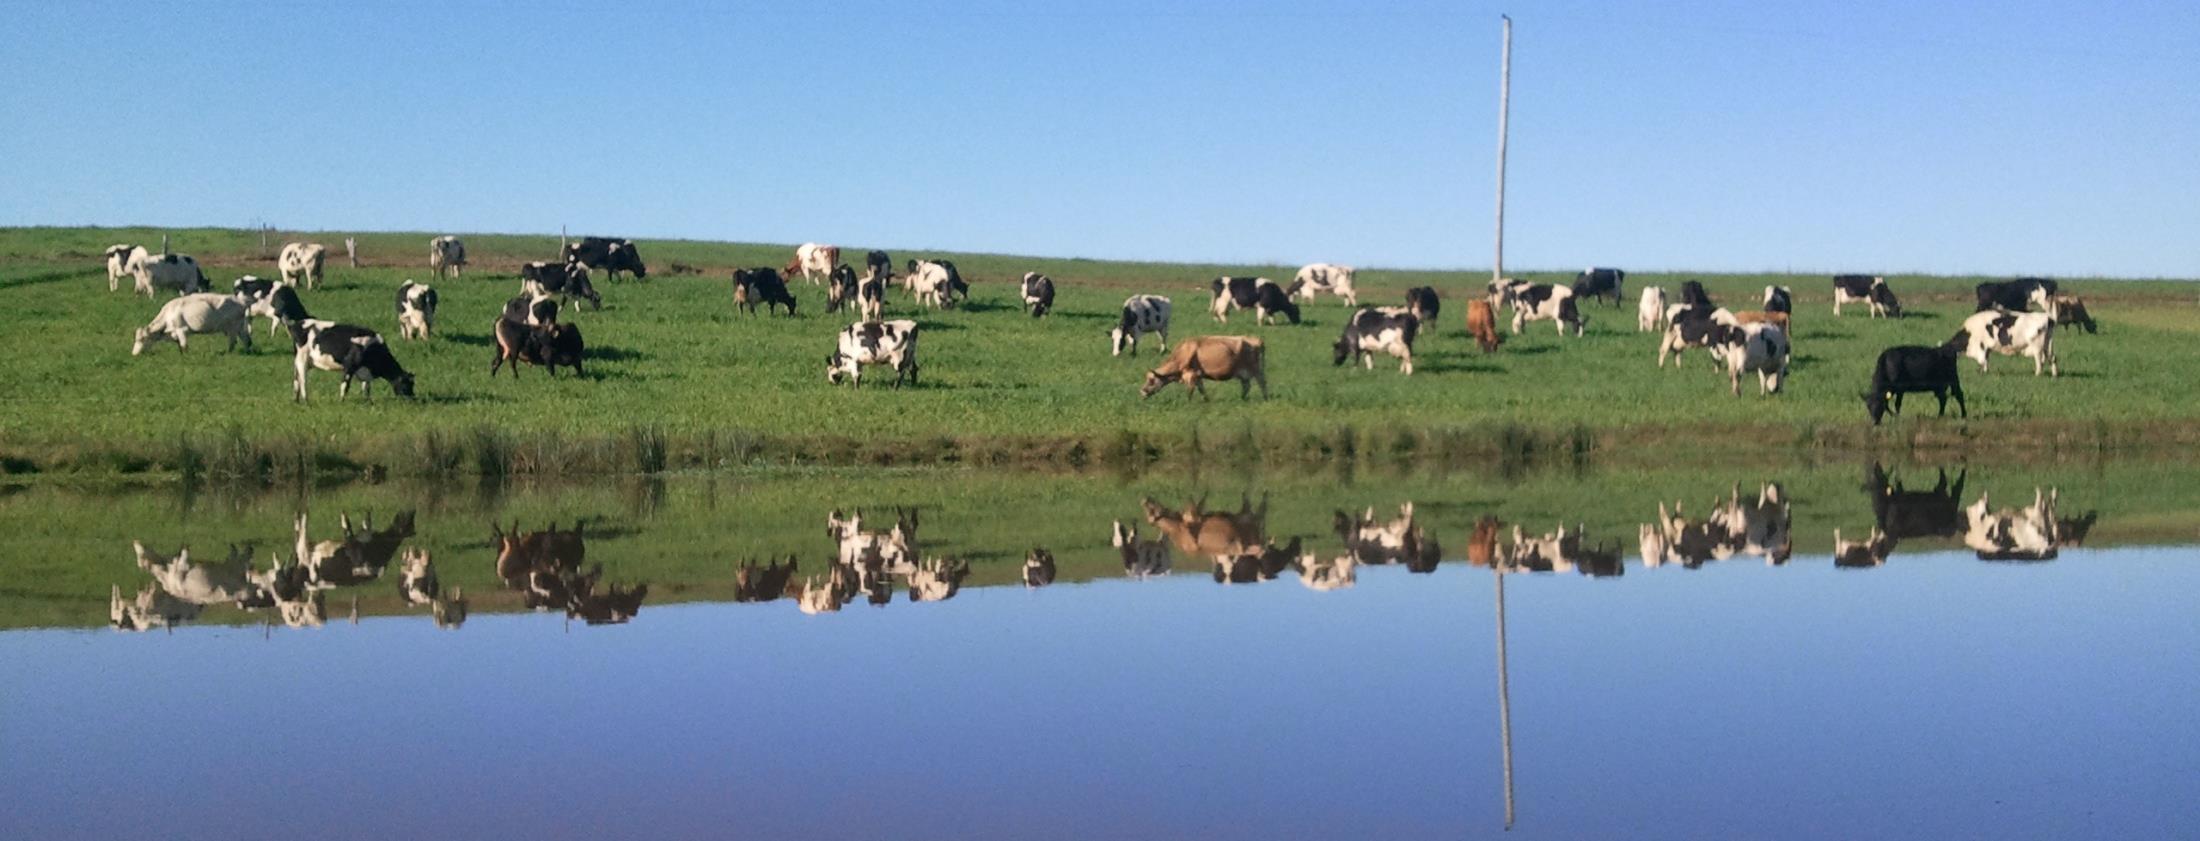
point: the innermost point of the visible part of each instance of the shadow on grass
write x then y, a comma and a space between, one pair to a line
1457, 366
1531, 350
55, 277
609, 353
984, 306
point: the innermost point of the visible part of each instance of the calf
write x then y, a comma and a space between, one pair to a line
201, 312
1326, 277
1258, 294
356, 352
1482, 325
1545, 302
301, 262
1142, 314
1650, 312
891, 343
118, 264
415, 310
569, 280
2017, 295
1779, 299
1594, 282
2070, 309
2030, 334
1386, 329
447, 256
871, 296
840, 289
761, 286
1038, 293
1203, 358
611, 255
151, 271
1759, 348
1424, 303
813, 260
1908, 369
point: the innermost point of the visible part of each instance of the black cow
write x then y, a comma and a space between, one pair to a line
1259, 294
570, 280
1903, 514
611, 255
840, 288
356, 352
1038, 293
761, 286
878, 263
752, 583
1423, 302
1594, 282
1693, 295
2016, 295
1911, 368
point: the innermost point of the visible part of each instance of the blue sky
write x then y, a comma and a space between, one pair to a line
2057, 137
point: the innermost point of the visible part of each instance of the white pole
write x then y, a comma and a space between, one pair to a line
1504, 701
1504, 110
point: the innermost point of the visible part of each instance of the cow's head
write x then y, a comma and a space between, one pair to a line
137, 342
402, 384
1876, 404
833, 365
1343, 347
1117, 338
1883, 295
1154, 382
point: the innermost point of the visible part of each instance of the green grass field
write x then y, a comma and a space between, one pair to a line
677, 379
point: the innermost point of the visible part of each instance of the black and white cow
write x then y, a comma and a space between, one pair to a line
568, 280
118, 264
1038, 293
2027, 534
871, 295
282, 309
761, 286
150, 271
1326, 277
1142, 314
931, 284
1424, 303
415, 310
840, 288
1909, 369
2017, 295
1779, 299
878, 262
1379, 329
2027, 334
356, 352
1594, 282
447, 256
1761, 349
301, 262
890, 343
1692, 294
611, 255
1259, 294
1688, 327
1544, 302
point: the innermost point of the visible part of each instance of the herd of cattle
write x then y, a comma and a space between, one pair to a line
2018, 317
548, 568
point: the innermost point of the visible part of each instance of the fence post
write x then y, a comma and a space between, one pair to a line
351, 247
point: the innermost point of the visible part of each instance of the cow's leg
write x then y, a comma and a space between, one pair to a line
300, 364
1956, 390
1367, 360
1407, 366
1516, 320
182, 339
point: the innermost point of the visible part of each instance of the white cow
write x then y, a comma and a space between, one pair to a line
447, 255
164, 271
1337, 573
1759, 348
2027, 534
2028, 334
227, 581
937, 580
202, 312
118, 264
301, 261
930, 283
814, 261
1142, 314
1650, 314
1326, 277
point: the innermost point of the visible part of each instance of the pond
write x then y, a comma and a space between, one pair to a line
1837, 651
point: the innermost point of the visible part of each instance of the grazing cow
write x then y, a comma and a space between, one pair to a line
415, 310
447, 256
1424, 303
1868, 289
761, 286
930, 284
1779, 299
951, 289
2030, 334
1326, 277
813, 261
879, 263
1693, 295
1142, 314
2027, 534
2017, 295
1038, 293
890, 343
1759, 348
871, 296
417, 583
2070, 309
1650, 311
1258, 294
150, 271
550, 345
568, 280
1594, 282
1142, 557
1545, 302
840, 289
301, 262
356, 352
118, 264
1912, 369
1203, 358
1379, 329
1482, 325
611, 255
151, 608
1039, 568
202, 312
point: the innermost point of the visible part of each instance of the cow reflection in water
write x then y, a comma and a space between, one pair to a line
1560, 551
937, 580
181, 589
1899, 514
1143, 557
1337, 573
2030, 533
417, 585
358, 558
1038, 568
1398, 541
1236, 542
1760, 527
545, 566
752, 583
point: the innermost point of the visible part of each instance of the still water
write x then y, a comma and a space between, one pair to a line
1842, 651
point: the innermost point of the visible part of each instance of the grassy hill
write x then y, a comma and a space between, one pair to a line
677, 379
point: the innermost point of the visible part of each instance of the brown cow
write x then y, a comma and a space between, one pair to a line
1762, 317
2070, 309
1236, 542
1201, 358
1482, 324
1482, 550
